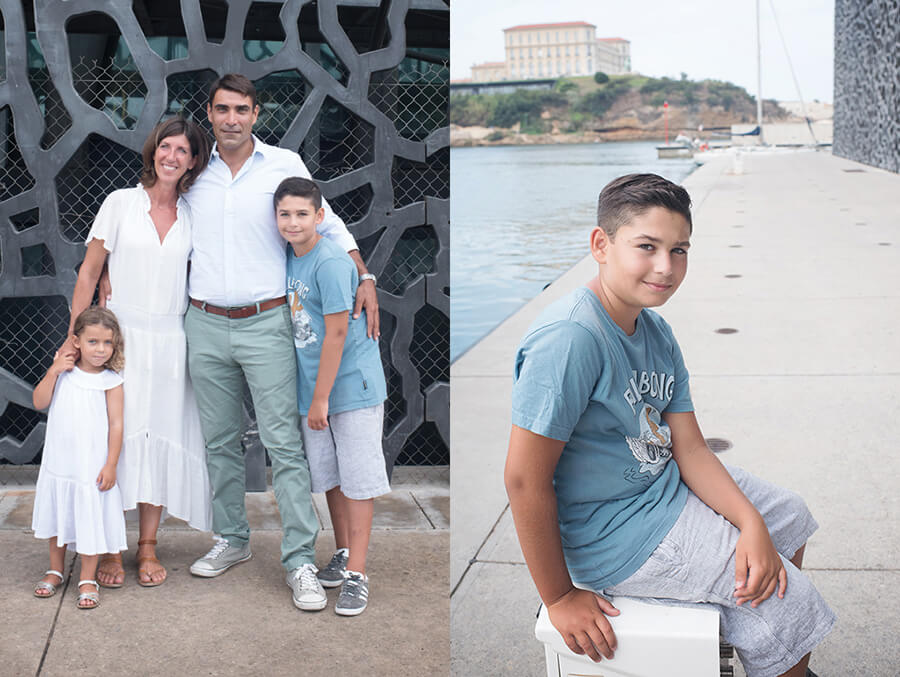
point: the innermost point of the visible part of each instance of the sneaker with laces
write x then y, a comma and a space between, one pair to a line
221, 557
308, 593
333, 574
354, 594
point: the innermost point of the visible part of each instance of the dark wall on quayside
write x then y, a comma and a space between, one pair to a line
867, 82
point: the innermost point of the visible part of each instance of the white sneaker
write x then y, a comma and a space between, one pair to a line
308, 593
221, 557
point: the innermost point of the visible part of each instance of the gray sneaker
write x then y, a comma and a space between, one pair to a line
333, 574
309, 594
220, 559
354, 595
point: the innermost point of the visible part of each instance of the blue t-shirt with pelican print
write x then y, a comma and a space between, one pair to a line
580, 379
322, 282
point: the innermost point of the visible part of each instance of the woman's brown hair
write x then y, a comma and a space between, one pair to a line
200, 150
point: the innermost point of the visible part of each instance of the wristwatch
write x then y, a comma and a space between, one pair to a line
367, 276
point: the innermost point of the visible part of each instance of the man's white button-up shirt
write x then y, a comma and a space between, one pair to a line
238, 256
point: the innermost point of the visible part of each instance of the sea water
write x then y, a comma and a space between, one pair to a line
521, 216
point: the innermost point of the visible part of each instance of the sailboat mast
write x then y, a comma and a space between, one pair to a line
758, 76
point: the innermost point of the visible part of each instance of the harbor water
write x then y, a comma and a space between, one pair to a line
521, 216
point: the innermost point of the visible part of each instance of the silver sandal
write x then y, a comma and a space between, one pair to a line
88, 596
49, 587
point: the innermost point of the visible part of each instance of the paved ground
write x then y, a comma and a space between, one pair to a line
801, 255
243, 622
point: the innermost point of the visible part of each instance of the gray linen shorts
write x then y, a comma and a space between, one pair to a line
348, 453
694, 564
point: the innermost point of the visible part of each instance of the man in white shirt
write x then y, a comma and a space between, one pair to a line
238, 324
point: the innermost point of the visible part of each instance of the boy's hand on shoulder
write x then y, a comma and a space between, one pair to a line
317, 418
580, 617
106, 480
759, 570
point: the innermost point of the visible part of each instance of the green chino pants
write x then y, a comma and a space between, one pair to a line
261, 348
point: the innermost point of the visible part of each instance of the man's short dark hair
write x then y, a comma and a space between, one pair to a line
234, 82
633, 194
296, 186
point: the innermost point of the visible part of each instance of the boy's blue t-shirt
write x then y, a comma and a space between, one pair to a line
581, 379
319, 283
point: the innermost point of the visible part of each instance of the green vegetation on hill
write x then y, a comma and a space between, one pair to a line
581, 103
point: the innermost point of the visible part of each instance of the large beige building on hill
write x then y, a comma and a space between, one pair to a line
553, 50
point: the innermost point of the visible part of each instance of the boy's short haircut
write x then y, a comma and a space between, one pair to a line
296, 186
633, 194
234, 82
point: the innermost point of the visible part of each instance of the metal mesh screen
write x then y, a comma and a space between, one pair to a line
78, 102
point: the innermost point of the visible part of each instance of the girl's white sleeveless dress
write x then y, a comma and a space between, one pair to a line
68, 504
163, 460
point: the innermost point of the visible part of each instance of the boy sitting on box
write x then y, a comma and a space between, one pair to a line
600, 406
341, 387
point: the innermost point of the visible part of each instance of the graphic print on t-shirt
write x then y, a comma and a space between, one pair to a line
653, 448
303, 332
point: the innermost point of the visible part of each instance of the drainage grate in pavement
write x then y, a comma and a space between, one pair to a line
733, 276
854, 171
884, 244
718, 444
735, 246
726, 330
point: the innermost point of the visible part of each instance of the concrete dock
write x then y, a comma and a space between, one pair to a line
242, 622
800, 255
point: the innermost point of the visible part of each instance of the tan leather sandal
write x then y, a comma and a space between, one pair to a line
111, 565
142, 563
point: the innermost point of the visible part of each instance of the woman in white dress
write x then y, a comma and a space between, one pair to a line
145, 232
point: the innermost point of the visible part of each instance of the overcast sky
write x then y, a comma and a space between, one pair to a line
703, 38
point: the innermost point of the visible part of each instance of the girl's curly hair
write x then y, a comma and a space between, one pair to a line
105, 318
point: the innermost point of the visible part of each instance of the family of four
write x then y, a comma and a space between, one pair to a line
204, 294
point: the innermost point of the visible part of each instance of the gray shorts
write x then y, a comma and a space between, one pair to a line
348, 453
694, 564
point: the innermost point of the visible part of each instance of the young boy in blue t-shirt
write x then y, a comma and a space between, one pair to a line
600, 406
341, 387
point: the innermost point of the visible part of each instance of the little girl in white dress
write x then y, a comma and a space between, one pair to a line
77, 500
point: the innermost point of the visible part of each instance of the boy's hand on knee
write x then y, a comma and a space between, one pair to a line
759, 570
580, 617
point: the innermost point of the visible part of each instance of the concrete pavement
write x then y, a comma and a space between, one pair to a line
800, 254
242, 622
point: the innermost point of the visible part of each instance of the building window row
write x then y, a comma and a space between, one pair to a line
526, 37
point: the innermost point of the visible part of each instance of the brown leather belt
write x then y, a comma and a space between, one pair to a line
240, 312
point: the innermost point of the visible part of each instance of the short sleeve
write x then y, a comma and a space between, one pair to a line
557, 369
333, 277
681, 394
111, 379
106, 223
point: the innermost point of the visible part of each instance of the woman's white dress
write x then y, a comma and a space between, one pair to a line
68, 504
163, 460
